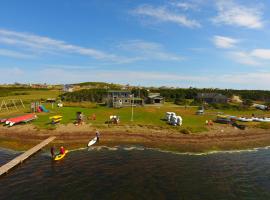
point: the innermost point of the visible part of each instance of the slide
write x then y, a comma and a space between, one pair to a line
43, 108
39, 110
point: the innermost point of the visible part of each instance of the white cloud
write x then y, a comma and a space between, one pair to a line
257, 80
113, 76
251, 80
163, 14
8, 72
244, 58
224, 42
149, 50
261, 53
40, 44
184, 5
230, 13
14, 54
254, 57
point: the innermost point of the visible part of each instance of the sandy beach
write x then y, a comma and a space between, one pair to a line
218, 138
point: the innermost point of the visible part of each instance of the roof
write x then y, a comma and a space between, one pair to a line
155, 95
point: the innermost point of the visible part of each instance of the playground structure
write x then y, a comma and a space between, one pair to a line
11, 105
37, 107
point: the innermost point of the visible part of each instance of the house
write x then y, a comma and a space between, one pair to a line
155, 98
122, 98
67, 88
212, 98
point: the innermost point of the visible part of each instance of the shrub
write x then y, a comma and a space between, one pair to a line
185, 131
263, 125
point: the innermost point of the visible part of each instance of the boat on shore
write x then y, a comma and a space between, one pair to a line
244, 119
19, 119
264, 119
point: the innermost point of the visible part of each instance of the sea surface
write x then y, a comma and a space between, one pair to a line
139, 173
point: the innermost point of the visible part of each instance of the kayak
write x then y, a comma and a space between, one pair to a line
55, 119
60, 156
243, 119
23, 118
93, 141
261, 119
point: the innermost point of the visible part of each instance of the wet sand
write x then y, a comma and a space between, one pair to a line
22, 137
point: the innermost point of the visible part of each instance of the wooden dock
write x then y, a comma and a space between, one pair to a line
19, 159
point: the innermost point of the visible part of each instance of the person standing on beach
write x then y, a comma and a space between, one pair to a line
97, 135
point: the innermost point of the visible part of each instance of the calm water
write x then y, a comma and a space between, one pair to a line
124, 173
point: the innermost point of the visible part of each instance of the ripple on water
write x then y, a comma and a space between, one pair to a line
126, 172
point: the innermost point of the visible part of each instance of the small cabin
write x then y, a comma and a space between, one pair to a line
155, 98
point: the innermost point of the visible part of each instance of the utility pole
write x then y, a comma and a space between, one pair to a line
132, 111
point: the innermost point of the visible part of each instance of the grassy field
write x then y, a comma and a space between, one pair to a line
30, 95
143, 116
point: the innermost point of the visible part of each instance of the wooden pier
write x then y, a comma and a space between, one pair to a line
19, 159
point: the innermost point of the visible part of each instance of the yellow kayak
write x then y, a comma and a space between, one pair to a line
56, 118
60, 156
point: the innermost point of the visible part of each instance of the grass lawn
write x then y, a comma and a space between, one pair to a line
30, 95
143, 116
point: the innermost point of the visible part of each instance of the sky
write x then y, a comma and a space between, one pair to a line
179, 43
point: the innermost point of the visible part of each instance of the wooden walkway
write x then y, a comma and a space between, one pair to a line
19, 159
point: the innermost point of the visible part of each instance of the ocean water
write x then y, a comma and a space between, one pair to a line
139, 173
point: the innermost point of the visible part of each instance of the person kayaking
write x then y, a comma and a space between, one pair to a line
97, 135
62, 150
52, 152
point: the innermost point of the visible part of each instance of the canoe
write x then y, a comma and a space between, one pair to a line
243, 119
23, 118
3, 120
91, 142
261, 119
60, 156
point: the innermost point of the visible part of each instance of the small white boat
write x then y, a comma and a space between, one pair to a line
93, 141
244, 119
264, 119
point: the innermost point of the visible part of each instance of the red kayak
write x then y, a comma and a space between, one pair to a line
23, 118
3, 120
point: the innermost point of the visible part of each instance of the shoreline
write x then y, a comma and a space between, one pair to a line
219, 138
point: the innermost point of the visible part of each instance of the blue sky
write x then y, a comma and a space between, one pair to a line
197, 43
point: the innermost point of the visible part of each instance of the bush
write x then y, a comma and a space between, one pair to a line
248, 102
196, 102
92, 95
263, 125
179, 101
185, 131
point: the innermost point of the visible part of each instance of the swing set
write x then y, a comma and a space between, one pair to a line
11, 105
